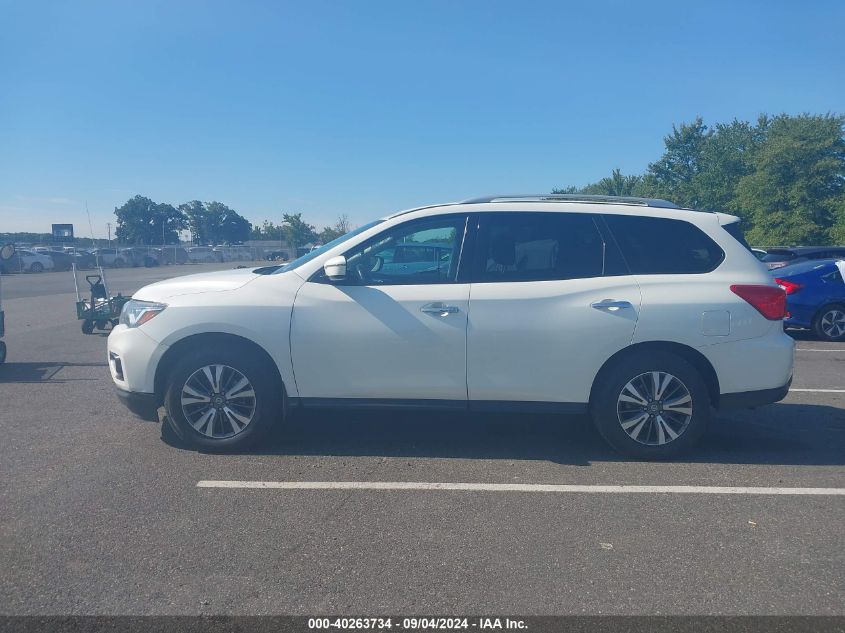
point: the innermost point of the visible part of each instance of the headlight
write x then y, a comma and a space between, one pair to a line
137, 313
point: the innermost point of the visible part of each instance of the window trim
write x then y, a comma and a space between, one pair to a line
319, 276
477, 269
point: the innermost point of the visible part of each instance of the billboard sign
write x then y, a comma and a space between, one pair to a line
62, 233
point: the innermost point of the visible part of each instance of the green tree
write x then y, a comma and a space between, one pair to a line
674, 175
215, 223
226, 225
614, 185
142, 221
783, 175
725, 159
794, 195
297, 232
196, 221
329, 233
266, 231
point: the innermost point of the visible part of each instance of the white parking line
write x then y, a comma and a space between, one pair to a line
821, 390
481, 487
807, 349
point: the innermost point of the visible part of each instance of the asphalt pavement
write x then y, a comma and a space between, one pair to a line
100, 514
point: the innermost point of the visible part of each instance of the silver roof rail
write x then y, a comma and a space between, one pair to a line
574, 197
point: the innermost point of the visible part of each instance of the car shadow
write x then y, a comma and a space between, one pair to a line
40, 372
795, 434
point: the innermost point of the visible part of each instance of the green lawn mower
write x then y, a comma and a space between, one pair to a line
101, 311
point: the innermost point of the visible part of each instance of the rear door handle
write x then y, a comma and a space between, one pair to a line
438, 307
611, 305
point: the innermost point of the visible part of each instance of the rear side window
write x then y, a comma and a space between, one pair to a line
664, 246
539, 247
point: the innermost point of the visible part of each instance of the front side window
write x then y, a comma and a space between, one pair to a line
539, 247
654, 246
417, 252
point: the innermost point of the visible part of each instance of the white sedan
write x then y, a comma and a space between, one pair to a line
33, 262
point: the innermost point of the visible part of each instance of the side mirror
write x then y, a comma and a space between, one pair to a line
335, 268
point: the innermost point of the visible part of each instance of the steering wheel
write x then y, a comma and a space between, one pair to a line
363, 271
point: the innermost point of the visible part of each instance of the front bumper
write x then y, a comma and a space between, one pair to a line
133, 357
143, 405
752, 399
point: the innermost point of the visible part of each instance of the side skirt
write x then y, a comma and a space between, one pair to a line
487, 406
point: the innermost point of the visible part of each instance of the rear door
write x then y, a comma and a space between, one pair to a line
551, 300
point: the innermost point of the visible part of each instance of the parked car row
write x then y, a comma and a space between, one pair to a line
43, 258
25, 260
222, 254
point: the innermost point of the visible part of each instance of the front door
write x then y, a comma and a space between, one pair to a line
395, 328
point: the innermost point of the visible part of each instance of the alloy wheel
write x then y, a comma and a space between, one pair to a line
218, 401
833, 323
654, 408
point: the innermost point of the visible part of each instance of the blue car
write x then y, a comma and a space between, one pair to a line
815, 297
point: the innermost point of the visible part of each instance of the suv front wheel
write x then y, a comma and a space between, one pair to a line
651, 406
222, 399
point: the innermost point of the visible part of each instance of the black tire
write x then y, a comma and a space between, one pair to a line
102, 325
268, 406
820, 325
36, 267
607, 417
2, 352
87, 326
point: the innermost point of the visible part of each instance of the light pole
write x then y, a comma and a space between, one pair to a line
108, 226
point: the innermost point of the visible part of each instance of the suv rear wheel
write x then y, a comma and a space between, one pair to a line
222, 399
651, 406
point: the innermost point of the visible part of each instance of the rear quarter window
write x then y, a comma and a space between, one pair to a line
656, 246
735, 231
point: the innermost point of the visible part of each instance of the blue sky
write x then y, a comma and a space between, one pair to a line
366, 107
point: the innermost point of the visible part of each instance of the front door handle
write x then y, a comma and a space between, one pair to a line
440, 308
611, 305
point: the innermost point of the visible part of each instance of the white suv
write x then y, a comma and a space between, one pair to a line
644, 315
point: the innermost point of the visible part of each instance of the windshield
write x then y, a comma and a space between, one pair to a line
325, 247
778, 256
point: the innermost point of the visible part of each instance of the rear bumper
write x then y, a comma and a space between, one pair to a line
143, 405
751, 399
764, 363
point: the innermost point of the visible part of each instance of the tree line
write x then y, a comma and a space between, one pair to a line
140, 220
783, 175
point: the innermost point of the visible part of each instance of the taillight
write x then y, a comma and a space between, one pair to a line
790, 287
770, 301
